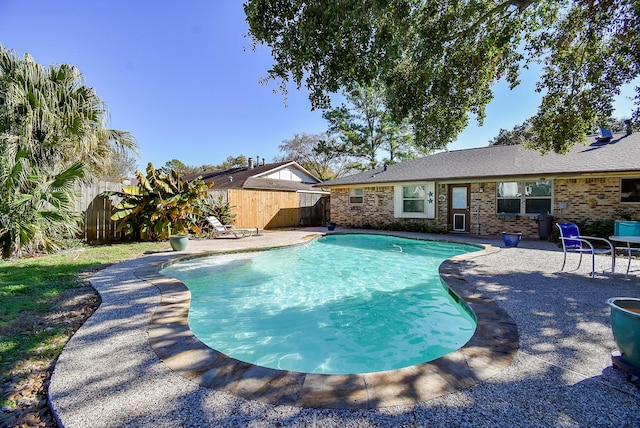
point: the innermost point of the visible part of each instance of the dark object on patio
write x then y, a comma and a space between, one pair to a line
573, 242
545, 222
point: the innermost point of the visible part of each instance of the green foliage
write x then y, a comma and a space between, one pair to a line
57, 120
439, 59
218, 208
52, 135
365, 127
183, 169
600, 228
626, 213
317, 153
36, 205
404, 226
161, 204
520, 134
222, 211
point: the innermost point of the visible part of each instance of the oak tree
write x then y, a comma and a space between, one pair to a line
440, 59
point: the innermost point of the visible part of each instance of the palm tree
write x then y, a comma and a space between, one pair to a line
52, 134
36, 206
51, 113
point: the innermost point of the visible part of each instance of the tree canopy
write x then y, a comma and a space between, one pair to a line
439, 59
318, 154
366, 129
184, 169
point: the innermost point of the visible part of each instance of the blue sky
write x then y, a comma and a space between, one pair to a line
181, 77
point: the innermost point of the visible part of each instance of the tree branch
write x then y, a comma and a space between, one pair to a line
520, 4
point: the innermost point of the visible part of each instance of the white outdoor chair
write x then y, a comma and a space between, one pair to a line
219, 229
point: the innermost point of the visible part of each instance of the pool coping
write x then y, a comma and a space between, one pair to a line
491, 348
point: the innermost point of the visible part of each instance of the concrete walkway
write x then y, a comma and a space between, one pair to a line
110, 376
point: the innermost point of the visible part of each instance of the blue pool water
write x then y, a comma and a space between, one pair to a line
340, 304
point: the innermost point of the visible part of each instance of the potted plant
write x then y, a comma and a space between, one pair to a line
511, 239
331, 225
625, 325
161, 206
179, 242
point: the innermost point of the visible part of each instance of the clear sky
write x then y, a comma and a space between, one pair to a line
182, 78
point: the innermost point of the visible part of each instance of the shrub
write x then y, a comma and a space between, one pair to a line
161, 204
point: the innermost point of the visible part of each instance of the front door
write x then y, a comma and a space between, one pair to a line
459, 207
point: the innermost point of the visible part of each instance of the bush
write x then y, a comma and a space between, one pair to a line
404, 226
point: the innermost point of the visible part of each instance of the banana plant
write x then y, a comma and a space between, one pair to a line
161, 204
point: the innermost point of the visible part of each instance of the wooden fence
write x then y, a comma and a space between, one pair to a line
271, 209
98, 228
261, 209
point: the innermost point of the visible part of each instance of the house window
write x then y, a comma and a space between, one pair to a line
415, 200
356, 196
630, 190
524, 197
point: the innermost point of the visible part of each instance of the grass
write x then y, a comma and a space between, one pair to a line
43, 300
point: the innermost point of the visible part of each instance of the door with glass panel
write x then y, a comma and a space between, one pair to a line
459, 207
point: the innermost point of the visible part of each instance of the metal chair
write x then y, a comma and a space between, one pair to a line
573, 242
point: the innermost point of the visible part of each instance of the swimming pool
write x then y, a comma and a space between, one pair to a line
340, 304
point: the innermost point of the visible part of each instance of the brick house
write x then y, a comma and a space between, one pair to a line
489, 190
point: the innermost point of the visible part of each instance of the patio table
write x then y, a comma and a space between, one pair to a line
631, 239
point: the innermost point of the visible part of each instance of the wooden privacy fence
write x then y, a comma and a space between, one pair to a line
263, 209
97, 227
272, 209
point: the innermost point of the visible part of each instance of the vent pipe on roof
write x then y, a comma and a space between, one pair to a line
262, 163
250, 166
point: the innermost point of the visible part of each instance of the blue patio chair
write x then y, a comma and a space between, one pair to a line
573, 242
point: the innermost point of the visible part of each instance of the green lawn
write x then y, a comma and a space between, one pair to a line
43, 300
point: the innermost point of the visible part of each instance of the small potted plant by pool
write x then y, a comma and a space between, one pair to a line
511, 239
331, 225
179, 242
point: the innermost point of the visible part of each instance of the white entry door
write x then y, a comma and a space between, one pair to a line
459, 209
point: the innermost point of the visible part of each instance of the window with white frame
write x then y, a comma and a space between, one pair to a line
524, 197
356, 196
415, 200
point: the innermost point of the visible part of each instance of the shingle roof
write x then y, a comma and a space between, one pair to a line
621, 154
246, 178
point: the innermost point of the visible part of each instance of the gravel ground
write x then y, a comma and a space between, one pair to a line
108, 376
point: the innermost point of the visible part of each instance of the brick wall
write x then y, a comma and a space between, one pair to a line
376, 209
586, 198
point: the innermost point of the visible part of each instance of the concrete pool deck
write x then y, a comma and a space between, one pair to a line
558, 374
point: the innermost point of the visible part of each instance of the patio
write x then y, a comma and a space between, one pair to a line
109, 375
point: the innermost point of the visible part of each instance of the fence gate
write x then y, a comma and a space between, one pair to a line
97, 227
